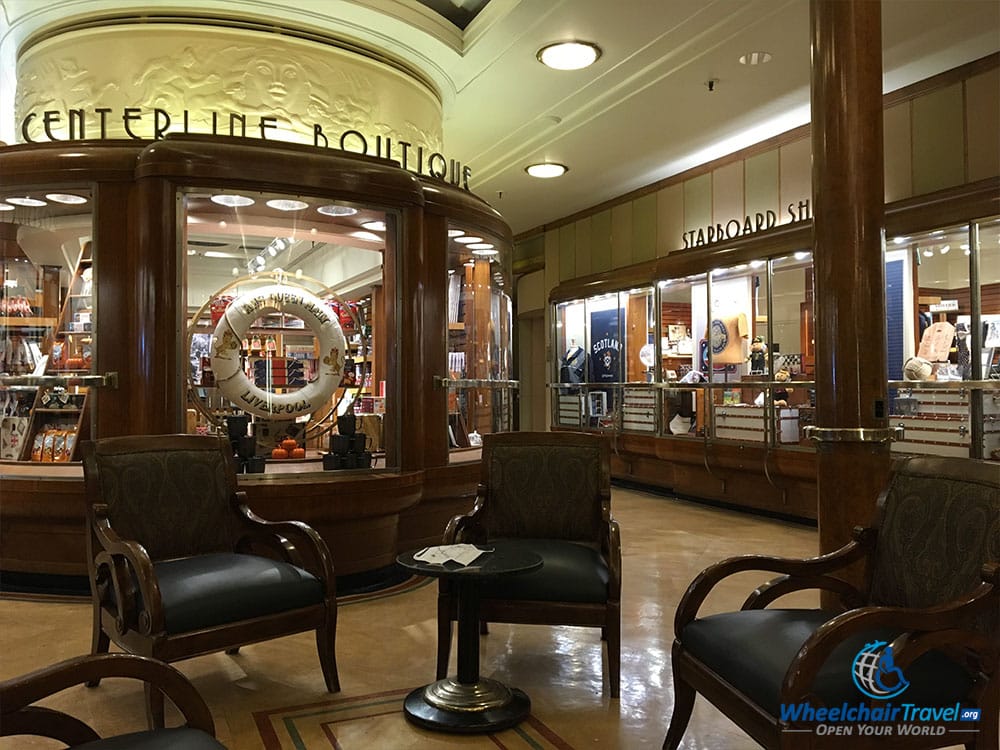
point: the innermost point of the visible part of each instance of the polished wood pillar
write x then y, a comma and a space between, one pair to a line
848, 209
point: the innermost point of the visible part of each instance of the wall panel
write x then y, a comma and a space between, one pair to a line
760, 183
938, 140
897, 151
669, 219
621, 235
982, 106
644, 228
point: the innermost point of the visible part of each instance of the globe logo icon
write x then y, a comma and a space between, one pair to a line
875, 674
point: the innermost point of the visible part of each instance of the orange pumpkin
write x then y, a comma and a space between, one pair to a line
279, 453
289, 444
298, 452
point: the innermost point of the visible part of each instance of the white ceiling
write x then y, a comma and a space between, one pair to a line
642, 113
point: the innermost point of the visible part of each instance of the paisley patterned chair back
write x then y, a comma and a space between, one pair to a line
172, 493
939, 524
546, 485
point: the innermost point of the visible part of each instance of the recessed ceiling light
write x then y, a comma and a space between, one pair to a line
26, 201
546, 170
468, 240
287, 204
374, 226
484, 252
801, 255
755, 58
455, 233
366, 236
232, 200
66, 198
481, 246
928, 253
569, 55
335, 210
6, 207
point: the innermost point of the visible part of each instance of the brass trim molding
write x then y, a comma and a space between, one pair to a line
854, 434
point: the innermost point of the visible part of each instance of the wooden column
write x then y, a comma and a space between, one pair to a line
848, 209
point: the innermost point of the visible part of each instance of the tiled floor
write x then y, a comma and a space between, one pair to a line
271, 694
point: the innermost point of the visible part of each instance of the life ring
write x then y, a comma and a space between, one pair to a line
227, 363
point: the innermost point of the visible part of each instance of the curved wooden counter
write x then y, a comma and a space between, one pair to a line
366, 517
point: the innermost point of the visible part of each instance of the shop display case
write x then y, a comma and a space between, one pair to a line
725, 414
313, 288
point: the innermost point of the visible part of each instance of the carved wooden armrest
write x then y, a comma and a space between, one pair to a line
943, 626
294, 541
467, 527
800, 571
126, 565
18, 694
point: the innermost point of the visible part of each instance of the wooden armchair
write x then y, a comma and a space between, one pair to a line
18, 715
180, 567
550, 491
923, 630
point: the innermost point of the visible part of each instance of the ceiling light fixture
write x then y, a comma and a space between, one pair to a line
66, 198
755, 58
455, 233
6, 207
484, 252
468, 240
287, 204
232, 201
944, 249
546, 170
335, 210
374, 226
572, 55
26, 201
481, 246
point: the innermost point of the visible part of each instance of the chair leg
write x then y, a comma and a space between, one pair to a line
613, 634
444, 636
100, 643
154, 706
683, 705
326, 645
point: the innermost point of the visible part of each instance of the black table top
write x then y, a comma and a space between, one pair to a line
498, 559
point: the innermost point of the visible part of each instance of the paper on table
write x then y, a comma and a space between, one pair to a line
463, 554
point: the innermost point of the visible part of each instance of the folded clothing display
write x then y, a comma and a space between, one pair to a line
279, 371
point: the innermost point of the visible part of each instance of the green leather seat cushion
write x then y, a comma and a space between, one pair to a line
208, 590
752, 649
570, 572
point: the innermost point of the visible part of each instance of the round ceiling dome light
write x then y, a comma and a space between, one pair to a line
287, 204
335, 210
26, 201
232, 201
374, 226
755, 58
569, 55
453, 233
66, 198
6, 207
546, 170
468, 240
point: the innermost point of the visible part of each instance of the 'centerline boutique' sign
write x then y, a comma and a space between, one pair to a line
749, 225
154, 124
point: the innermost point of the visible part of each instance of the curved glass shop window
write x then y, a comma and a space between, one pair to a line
480, 315
47, 320
943, 325
285, 327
